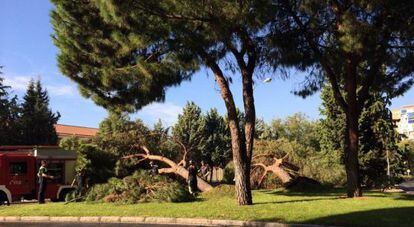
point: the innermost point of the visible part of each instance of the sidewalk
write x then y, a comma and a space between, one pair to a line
147, 220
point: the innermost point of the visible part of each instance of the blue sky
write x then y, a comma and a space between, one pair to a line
27, 51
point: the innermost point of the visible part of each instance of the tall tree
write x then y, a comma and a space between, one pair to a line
377, 137
189, 130
358, 47
126, 53
37, 120
216, 143
9, 113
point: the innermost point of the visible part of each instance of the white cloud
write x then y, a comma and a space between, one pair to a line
17, 82
60, 90
20, 83
167, 112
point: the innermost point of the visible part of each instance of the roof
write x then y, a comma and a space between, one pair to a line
70, 130
44, 152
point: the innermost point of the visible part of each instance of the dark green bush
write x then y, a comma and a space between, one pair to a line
140, 187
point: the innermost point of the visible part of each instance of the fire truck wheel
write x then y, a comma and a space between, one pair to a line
3, 198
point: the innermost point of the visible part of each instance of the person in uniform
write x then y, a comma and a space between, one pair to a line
42, 175
80, 181
192, 177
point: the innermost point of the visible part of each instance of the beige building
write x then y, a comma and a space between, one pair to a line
404, 120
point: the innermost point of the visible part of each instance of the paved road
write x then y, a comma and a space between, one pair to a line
36, 224
407, 186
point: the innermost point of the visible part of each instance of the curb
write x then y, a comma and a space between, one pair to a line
146, 220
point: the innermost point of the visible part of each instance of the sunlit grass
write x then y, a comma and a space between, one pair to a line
374, 209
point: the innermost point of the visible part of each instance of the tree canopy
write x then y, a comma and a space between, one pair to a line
37, 120
358, 47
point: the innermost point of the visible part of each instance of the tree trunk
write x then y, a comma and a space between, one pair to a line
352, 132
240, 157
351, 157
249, 128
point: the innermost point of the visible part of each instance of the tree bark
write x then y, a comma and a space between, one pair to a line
352, 132
249, 128
276, 169
241, 173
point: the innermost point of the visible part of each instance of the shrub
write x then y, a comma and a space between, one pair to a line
140, 187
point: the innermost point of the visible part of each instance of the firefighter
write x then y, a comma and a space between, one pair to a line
80, 181
42, 174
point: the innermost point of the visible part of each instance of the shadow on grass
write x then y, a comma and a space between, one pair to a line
339, 194
296, 201
322, 193
381, 217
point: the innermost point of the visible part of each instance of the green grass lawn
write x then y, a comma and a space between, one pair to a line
374, 209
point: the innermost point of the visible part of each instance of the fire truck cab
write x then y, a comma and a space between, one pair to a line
18, 172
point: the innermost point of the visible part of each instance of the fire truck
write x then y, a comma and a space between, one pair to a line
18, 172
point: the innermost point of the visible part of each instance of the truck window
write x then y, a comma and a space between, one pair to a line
18, 168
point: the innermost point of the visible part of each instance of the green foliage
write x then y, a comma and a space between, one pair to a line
97, 164
299, 140
406, 148
37, 120
9, 114
121, 67
140, 187
228, 175
206, 137
377, 136
189, 130
216, 147
334, 42
120, 136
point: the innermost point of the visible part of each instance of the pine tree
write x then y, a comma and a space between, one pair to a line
358, 47
125, 54
9, 113
37, 120
377, 136
189, 130
216, 148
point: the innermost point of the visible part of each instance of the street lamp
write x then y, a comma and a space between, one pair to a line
267, 80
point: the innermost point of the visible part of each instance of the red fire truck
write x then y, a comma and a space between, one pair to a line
18, 172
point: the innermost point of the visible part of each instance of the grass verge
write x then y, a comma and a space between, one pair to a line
327, 208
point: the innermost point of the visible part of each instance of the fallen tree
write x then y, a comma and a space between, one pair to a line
175, 168
285, 171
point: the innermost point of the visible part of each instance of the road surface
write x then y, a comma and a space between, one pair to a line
407, 186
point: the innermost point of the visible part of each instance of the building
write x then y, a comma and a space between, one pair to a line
404, 120
64, 131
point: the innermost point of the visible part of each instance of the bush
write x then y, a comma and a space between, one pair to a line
139, 187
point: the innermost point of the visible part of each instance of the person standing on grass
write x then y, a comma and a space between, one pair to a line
154, 168
43, 175
205, 171
80, 181
192, 177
